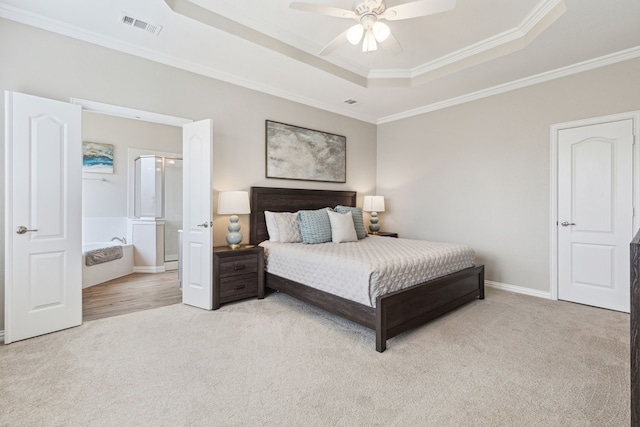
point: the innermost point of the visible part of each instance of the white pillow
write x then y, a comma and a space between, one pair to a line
342, 228
272, 226
288, 231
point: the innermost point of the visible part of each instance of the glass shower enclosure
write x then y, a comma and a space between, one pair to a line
158, 195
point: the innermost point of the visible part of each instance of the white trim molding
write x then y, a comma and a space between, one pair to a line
592, 64
2, 335
518, 289
150, 269
514, 39
539, 18
553, 214
129, 113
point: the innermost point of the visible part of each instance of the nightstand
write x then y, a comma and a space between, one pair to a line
385, 234
237, 273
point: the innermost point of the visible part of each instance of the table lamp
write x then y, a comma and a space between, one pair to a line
233, 203
373, 204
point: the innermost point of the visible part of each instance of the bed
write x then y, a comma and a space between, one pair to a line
394, 312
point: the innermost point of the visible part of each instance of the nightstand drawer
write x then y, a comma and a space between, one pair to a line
236, 287
238, 265
237, 274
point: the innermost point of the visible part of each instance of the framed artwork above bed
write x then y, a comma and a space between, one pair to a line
304, 154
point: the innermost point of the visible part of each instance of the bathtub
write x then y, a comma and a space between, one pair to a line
104, 272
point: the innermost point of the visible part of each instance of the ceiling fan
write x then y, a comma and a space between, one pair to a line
368, 14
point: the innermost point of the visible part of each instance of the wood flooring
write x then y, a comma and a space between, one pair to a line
135, 292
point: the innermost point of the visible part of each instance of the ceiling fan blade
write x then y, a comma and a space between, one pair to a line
392, 45
418, 8
334, 44
323, 10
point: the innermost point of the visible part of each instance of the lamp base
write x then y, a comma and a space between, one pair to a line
374, 227
234, 237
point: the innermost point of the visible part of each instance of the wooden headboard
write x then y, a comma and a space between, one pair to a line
290, 200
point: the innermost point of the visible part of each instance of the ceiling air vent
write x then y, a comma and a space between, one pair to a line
133, 22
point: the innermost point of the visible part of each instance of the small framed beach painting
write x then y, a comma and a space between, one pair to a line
97, 157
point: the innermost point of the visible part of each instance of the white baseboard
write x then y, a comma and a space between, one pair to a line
171, 265
149, 269
518, 289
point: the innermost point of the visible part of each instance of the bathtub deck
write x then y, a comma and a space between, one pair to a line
135, 292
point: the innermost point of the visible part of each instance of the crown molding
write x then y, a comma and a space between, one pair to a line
580, 67
47, 24
538, 20
38, 21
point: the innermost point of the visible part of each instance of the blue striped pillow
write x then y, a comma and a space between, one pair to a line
315, 226
358, 219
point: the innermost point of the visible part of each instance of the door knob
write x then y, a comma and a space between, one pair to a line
566, 223
204, 224
22, 229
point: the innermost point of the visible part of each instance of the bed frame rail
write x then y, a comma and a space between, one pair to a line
406, 309
342, 307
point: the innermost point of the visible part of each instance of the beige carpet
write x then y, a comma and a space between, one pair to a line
510, 360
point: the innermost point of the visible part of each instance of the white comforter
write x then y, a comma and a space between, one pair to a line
361, 271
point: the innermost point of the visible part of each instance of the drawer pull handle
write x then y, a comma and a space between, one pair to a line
238, 287
239, 267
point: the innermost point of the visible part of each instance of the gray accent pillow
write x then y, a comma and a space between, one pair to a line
358, 219
315, 226
288, 231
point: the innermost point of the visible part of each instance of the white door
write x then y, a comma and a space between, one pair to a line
595, 214
197, 215
43, 213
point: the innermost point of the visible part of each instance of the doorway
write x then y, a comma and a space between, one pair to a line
45, 294
594, 170
137, 280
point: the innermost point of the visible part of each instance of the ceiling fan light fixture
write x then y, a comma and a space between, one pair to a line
381, 31
354, 35
369, 43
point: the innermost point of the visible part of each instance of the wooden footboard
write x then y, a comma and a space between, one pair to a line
396, 312
406, 309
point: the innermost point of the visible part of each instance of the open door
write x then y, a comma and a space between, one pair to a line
197, 215
43, 241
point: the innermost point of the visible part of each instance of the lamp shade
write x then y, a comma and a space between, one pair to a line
233, 202
373, 204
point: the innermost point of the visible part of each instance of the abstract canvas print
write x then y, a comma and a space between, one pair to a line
97, 158
304, 154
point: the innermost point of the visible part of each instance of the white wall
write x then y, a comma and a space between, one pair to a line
479, 173
104, 203
57, 67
